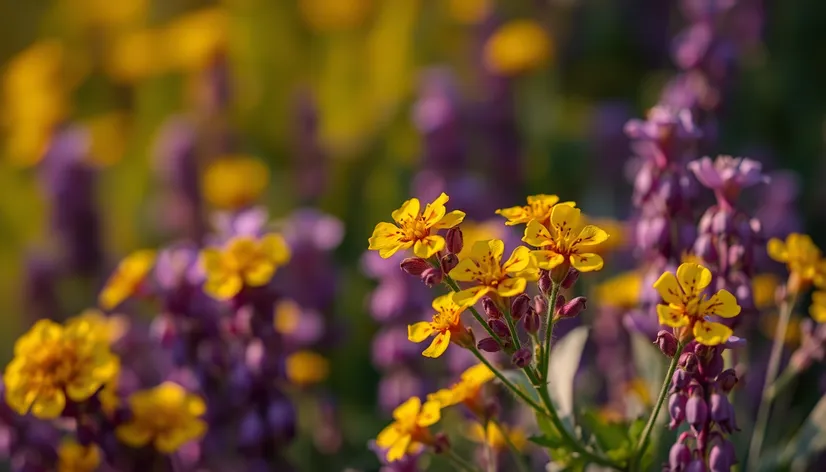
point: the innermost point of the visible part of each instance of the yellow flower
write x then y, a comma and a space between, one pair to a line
52, 362
616, 234
109, 134
818, 308
133, 56
446, 322
127, 278
192, 41
287, 316
106, 329
167, 416
306, 368
538, 208
474, 231
413, 228
516, 47
233, 182
688, 308
802, 258
764, 288
334, 15
567, 240
495, 438
621, 291
72, 457
469, 12
409, 432
109, 397
466, 390
244, 261
483, 267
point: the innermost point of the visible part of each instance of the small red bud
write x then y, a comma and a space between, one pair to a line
540, 305
522, 357
727, 380
441, 443
488, 345
571, 278
491, 309
415, 266
531, 322
545, 282
573, 308
499, 327
454, 240
666, 342
432, 277
520, 306
449, 261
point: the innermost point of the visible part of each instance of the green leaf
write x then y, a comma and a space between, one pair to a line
565, 358
523, 383
609, 435
547, 442
806, 444
649, 363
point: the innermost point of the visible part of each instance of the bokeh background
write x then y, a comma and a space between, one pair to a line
350, 107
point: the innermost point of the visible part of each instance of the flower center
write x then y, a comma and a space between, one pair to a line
415, 229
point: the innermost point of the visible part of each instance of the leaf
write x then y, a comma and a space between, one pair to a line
564, 363
523, 383
547, 442
649, 363
809, 441
609, 435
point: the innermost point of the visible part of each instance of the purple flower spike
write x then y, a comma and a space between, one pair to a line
696, 412
721, 457
676, 408
727, 175
679, 457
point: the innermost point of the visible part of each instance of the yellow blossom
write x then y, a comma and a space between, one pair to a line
52, 362
167, 416
638, 388
466, 390
193, 40
496, 438
414, 228
233, 182
802, 258
621, 291
287, 316
517, 47
133, 56
409, 431
538, 208
764, 289
469, 12
616, 234
72, 457
483, 267
818, 307
108, 329
334, 15
109, 134
474, 231
687, 307
127, 278
446, 323
306, 368
567, 240
109, 396
244, 261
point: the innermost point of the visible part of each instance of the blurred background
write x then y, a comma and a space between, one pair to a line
171, 109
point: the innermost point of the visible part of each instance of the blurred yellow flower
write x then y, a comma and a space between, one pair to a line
287, 316
233, 182
469, 12
802, 258
466, 390
639, 388
413, 228
306, 368
498, 439
818, 307
127, 278
192, 41
474, 231
539, 208
517, 47
72, 457
108, 133
52, 362
107, 13
109, 397
621, 291
616, 234
244, 261
567, 240
409, 430
483, 267
136, 55
768, 326
764, 288
334, 15
167, 416
446, 323
108, 329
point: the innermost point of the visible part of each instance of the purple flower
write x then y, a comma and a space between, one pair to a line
728, 174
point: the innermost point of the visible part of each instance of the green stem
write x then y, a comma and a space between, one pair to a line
759, 431
782, 383
508, 383
481, 320
549, 331
518, 458
458, 462
512, 326
652, 420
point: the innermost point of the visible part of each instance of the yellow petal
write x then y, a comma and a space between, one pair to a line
419, 332
547, 259
399, 448
389, 250
586, 262
515, 215
429, 246
710, 333
723, 304
519, 260
133, 434
818, 312
468, 270
496, 248
669, 289
49, 405
777, 250
444, 397
438, 346
408, 211
224, 288
537, 235
566, 220
384, 235
275, 248
693, 278
511, 287
430, 414
671, 316
408, 409
591, 236
454, 218
477, 375
445, 304
434, 211
471, 295
480, 250
388, 436
259, 273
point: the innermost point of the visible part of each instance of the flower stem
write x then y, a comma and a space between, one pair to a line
512, 326
458, 462
759, 431
518, 458
528, 400
636, 459
481, 320
783, 381
549, 331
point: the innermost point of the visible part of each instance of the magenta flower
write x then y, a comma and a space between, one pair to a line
727, 175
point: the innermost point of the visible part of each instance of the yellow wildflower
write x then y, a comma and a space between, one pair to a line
334, 15
72, 457
306, 368
768, 326
233, 182
409, 432
107, 329
287, 316
538, 208
818, 308
616, 234
469, 12
133, 56
483, 267
126, 279
244, 261
192, 41
52, 362
446, 322
688, 308
764, 289
109, 396
621, 291
167, 416
802, 258
414, 228
568, 240
466, 390
496, 438
638, 388
474, 231
517, 47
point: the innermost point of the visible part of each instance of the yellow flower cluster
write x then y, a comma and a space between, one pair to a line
127, 278
806, 267
243, 261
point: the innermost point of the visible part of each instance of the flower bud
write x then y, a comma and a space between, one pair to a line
721, 457
727, 380
666, 342
441, 443
676, 408
499, 327
491, 309
695, 466
689, 362
679, 380
454, 242
722, 412
712, 365
522, 357
531, 322
432, 277
679, 456
545, 282
696, 412
415, 266
540, 305
520, 306
571, 278
488, 345
448, 262
573, 308
465, 339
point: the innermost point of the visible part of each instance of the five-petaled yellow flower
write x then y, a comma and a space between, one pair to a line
620, 291
244, 261
52, 362
802, 257
409, 432
446, 324
127, 278
498, 439
538, 208
233, 182
73, 457
467, 390
688, 308
818, 308
566, 240
167, 416
415, 228
483, 267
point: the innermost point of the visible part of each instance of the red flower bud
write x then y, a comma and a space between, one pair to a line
449, 261
488, 345
531, 322
666, 342
499, 327
520, 306
522, 357
454, 240
573, 308
571, 278
545, 282
490, 308
727, 380
432, 277
540, 305
415, 266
